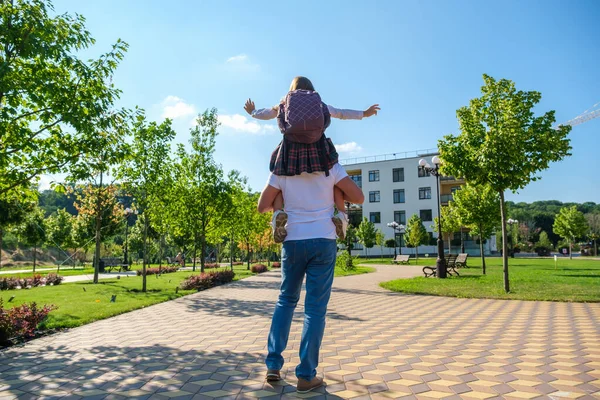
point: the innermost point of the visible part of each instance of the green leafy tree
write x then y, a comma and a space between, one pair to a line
366, 234
503, 144
51, 101
479, 209
380, 240
544, 244
33, 231
14, 206
450, 223
570, 224
60, 231
416, 234
200, 184
593, 221
144, 172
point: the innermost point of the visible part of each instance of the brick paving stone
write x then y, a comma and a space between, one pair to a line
377, 345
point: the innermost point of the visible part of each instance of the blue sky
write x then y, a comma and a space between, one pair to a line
420, 60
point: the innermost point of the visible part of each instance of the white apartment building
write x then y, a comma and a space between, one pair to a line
395, 189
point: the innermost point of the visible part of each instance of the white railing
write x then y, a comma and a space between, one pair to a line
390, 156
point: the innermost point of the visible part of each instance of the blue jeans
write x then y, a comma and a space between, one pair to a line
314, 258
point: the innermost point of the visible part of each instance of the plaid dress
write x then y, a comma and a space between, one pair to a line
291, 158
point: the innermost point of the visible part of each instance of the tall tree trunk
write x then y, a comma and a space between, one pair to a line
231, 252
504, 243
449, 244
195, 252
481, 250
202, 251
248, 254
145, 258
416, 254
595, 246
570, 250
1, 234
98, 226
34, 257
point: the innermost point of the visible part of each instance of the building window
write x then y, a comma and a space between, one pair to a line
398, 174
453, 189
374, 197
374, 176
398, 195
424, 193
357, 179
423, 173
400, 217
375, 217
426, 215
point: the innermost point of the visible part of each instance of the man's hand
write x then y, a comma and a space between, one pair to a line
368, 112
249, 107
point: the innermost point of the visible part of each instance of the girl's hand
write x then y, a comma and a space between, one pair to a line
371, 110
249, 107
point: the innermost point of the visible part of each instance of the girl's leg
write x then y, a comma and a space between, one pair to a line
338, 198
278, 202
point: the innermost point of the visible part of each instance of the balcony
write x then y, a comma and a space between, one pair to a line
445, 198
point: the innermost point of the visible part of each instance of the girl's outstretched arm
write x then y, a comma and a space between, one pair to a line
353, 114
263, 113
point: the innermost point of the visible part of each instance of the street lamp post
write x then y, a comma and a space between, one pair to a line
128, 212
398, 228
512, 222
440, 263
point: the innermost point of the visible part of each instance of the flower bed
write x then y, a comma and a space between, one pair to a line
21, 322
13, 282
276, 265
158, 271
259, 268
207, 280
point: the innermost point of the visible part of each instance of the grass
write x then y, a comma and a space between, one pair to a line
576, 280
77, 306
358, 271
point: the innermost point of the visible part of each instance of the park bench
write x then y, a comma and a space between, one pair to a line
461, 260
172, 262
450, 261
111, 263
401, 259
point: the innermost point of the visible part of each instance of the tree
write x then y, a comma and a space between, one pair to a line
570, 224
14, 206
366, 234
593, 221
544, 245
450, 222
60, 231
33, 231
144, 172
51, 102
502, 144
416, 234
200, 185
380, 240
479, 209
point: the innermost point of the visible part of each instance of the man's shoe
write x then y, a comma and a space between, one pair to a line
305, 386
273, 375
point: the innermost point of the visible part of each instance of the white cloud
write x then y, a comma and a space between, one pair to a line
241, 123
348, 148
174, 107
238, 58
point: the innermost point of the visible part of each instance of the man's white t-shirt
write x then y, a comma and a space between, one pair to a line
308, 201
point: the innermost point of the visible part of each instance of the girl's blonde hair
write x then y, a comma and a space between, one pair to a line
301, 82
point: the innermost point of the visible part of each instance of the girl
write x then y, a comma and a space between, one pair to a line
292, 158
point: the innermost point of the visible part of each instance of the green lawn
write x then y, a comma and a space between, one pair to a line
575, 280
77, 306
359, 270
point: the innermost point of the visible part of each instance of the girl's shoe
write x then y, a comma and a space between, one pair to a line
340, 220
278, 223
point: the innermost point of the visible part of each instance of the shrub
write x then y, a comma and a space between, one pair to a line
207, 280
9, 283
21, 321
36, 280
53, 279
259, 268
276, 265
211, 265
158, 271
238, 263
344, 262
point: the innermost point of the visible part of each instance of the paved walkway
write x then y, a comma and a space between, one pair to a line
378, 345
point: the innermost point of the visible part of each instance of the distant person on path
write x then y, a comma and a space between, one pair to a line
302, 118
180, 259
309, 249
